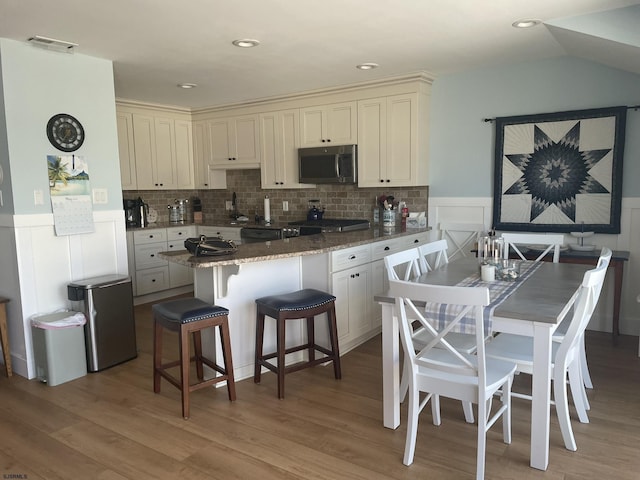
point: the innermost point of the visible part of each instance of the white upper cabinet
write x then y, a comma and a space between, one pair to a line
156, 151
126, 151
235, 142
206, 176
279, 142
392, 146
334, 124
185, 172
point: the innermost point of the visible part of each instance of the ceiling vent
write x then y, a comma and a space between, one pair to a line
52, 44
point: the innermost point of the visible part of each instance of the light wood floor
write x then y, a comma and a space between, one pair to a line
110, 425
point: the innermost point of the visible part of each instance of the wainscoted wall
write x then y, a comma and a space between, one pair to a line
36, 279
479, 210
339, 201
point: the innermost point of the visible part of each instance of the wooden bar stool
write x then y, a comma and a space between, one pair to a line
307, 304
4, 336
191, 316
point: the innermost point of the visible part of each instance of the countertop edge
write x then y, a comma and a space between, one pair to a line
289, 247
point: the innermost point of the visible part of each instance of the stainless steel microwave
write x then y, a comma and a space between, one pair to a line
330, 164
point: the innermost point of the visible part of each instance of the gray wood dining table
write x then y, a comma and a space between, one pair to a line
534, 308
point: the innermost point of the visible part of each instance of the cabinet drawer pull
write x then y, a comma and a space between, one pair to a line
386, 248
152, 255
352, 257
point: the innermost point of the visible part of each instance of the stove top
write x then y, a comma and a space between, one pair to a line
334, 225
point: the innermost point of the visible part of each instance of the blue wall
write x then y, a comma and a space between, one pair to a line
461, 144
36, 84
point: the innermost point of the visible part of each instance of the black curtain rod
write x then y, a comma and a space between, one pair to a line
490, 120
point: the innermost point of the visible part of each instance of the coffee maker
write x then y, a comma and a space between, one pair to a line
131, 216
135, 213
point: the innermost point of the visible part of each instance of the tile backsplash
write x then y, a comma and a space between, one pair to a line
339, 201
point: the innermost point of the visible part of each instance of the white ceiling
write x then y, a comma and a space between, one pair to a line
316, 44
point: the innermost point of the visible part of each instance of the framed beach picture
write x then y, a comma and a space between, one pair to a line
559, 172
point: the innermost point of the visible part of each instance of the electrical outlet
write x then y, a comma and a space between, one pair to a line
38, 198
285, 206
228, 205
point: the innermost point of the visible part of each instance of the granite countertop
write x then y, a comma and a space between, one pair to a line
289, 247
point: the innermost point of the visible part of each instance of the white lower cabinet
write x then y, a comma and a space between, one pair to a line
151, 273
357, 275
179, 275
351, 285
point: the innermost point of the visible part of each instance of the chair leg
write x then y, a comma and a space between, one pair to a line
280, 348
157, 355
435, 409
483, 416
259, 342
412, 425
197, 349
333, 338
562, 409
225, 340
184, 370
404, 381
467, 407
578, 392
311, 339
506, 415
586, 377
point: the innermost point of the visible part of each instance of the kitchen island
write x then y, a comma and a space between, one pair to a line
349, 265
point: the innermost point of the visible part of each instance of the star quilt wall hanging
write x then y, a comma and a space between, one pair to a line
559, 172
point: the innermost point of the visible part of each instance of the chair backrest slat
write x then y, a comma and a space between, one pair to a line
403, 265
433, 255
410, 300
514, 241
461, 236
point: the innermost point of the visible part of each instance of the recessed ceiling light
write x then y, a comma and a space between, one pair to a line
187, 85
246, 43
526, 23
367, 66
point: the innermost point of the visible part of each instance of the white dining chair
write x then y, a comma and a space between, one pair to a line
547, 243
405, 265
462, 236
433, 255
439, 369
565, 355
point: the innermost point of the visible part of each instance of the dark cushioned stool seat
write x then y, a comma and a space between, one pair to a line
191, 316
307, 304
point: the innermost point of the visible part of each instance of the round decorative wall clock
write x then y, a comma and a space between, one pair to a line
65, 132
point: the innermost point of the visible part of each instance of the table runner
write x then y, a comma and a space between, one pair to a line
440, 314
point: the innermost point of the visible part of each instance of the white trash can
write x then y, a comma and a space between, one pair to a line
58, 346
